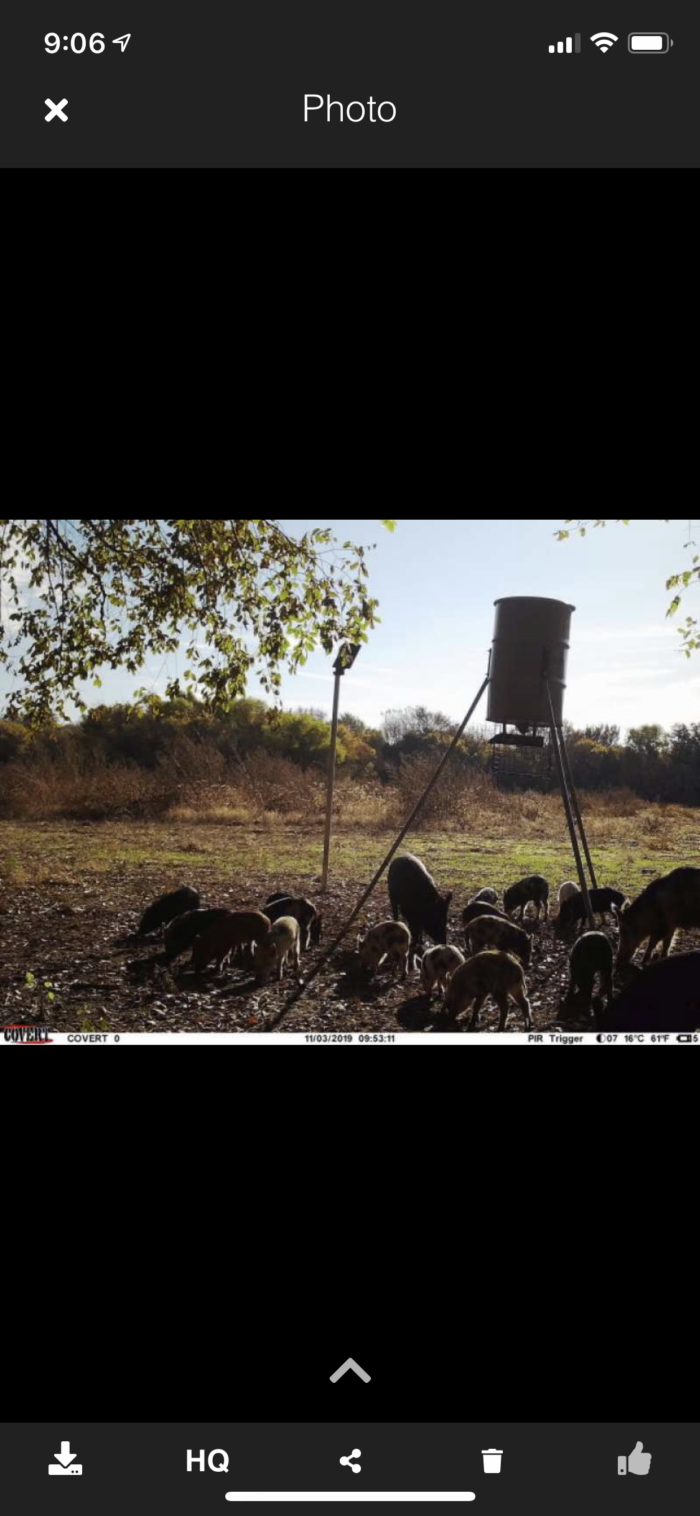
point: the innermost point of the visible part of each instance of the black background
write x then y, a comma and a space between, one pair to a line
464, 1350
222, 84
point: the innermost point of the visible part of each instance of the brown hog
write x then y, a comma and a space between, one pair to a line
666, 906
273, 951
182, 932
491, 932
495, 974
438, 966
238, 929
478, 908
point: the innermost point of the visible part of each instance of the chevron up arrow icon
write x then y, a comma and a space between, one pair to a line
349, 1364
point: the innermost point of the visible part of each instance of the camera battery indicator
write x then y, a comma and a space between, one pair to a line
649, 42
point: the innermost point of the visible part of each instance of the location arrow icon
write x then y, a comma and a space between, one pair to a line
123, 41
65, 1456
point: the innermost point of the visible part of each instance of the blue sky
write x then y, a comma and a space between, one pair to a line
437, 581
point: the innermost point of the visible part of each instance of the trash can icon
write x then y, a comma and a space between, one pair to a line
492, 1460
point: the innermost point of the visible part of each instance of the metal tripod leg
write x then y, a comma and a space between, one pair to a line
274, 1022
566, 797
577, 808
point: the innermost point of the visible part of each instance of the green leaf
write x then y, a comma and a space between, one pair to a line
130, 589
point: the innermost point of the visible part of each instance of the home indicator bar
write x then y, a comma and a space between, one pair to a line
421, 1495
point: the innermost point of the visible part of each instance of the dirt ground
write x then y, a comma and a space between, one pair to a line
66, 959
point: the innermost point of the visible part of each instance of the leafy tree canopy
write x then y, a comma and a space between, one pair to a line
77, 597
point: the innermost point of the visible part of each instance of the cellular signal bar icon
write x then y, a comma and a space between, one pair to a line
560, 45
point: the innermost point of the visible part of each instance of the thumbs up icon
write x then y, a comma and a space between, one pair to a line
637, 1463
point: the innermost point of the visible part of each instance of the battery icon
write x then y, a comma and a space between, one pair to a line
685, 1039
649, 42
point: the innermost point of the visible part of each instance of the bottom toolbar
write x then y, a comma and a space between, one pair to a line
501, 1468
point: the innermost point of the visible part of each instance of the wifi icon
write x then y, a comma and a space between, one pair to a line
604, 40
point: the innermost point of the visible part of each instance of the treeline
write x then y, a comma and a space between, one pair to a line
658, 765
181, 735
149, 734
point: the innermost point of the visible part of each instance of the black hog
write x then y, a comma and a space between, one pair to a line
591, 955
309, 918
487, 897
414, 895
665, 998
533, 890
573, 910
666, 906
166, 909
184, 931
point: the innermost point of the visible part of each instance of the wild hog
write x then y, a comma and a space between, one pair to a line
573, 911
491, 932
414, 895
666, 906
438, 966
488, 897
665, 998
535, 890
272, 951
566, 891
481, 908
591, 955
310, 920
389, 939
236, 929
184, 930
166, 908
495, 974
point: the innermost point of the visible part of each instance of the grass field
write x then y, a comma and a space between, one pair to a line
70, 891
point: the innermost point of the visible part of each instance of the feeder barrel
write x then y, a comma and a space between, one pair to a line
530, 643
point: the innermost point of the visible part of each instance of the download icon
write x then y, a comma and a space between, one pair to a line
64, 1463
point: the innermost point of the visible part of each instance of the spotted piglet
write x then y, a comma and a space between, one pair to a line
390, 939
